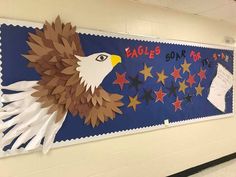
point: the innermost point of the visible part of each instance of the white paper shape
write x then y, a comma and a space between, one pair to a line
100, 69
222, 82
29, 119
166, 122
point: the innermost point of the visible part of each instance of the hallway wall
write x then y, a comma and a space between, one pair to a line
152, 154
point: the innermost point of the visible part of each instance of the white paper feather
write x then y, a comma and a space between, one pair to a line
26, 119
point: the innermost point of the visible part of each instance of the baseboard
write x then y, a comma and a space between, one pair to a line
204, 166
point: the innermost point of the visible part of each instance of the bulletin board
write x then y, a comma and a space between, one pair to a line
125, 84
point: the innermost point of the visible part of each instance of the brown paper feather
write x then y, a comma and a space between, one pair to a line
52, 54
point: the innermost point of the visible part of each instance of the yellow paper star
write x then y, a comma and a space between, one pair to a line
186, 66
161, 77
133, 102
182, 86
199, 89
146, 72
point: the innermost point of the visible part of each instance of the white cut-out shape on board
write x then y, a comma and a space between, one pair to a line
222, 82
166, 122
100, 64
27, 119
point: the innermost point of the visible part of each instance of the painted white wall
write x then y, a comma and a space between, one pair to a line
152, 154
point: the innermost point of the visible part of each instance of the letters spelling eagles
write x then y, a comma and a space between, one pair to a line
142, 51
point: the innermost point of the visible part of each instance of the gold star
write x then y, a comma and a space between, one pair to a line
133, 102
161, 77
146, 72
199, 89
186, 66
182, 86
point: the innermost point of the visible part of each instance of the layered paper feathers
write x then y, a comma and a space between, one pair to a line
52, 55
36, 112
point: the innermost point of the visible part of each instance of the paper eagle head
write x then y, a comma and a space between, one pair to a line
103, 64
70, 82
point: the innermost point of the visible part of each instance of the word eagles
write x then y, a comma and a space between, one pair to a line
142, 51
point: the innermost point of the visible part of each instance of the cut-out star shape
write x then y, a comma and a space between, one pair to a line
172, 89
191, 80
176, 73
146, 72
135, 82
133, 102
121, 80
202, 74
186, 66
177, 104
188, 98
160, 95
147, 96
162, 77
182, 86
199, 89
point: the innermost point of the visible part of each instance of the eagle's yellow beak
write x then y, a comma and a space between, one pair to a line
115, 59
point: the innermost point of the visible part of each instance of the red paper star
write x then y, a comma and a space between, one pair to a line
121, 80
202, 74
191, 79
176, 74
177, 104
160, 95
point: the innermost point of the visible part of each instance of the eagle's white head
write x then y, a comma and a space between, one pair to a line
94, 68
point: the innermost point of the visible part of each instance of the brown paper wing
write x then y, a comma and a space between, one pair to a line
99, 107
52, 54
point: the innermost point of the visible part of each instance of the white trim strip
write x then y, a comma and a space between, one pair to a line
1, 104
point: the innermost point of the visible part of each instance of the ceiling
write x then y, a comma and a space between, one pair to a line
215, 9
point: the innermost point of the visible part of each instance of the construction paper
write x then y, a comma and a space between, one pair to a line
63, 85
222, 82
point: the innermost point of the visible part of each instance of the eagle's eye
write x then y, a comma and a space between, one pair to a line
101, 57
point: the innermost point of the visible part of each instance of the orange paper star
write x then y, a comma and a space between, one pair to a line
202, 74
121, 80
176, 73
160, 95
177, 104
191, 80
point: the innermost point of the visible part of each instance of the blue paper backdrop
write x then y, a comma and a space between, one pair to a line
13, 39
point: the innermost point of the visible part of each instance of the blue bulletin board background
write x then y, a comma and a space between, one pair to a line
150, 111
